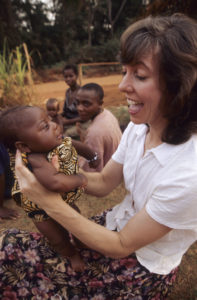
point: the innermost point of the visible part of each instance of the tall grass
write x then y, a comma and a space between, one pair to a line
13, 76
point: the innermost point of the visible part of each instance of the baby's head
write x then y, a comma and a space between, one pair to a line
29, 129
52, 107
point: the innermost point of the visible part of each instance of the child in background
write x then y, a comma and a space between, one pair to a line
70, 112
53, 107
29, 129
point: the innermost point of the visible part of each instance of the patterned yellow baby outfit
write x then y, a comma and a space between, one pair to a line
68, 161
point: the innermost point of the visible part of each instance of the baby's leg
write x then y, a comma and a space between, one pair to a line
60, 240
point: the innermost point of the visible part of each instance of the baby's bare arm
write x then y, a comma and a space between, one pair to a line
51, 178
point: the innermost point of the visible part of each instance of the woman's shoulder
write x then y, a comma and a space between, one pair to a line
189, 150
133, 137
180, 161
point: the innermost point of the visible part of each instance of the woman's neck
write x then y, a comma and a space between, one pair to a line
154, 134
153, 138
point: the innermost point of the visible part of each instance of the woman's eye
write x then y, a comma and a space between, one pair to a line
140, 77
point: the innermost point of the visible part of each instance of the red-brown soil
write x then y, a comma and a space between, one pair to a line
57, 89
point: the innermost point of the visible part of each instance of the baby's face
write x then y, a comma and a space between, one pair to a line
40, 134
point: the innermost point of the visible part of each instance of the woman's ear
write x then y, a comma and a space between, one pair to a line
22, 147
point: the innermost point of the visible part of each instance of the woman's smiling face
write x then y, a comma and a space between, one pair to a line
141, 86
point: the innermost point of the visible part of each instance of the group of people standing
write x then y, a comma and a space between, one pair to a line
133, 250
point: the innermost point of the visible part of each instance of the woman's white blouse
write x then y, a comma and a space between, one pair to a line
164, 180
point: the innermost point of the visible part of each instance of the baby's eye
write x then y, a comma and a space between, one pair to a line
46, 126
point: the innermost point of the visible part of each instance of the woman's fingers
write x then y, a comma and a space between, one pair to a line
22, 173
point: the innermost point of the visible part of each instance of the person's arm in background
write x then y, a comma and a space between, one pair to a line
95, 142
5, 212
72, 121
138, 232
65, 120
90, 155
50, 178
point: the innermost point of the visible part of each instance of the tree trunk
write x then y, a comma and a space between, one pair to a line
112, 22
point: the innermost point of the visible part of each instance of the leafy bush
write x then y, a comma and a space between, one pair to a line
106, 52
76, 53
13, 75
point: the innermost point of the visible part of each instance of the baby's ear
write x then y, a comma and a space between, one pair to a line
22, 147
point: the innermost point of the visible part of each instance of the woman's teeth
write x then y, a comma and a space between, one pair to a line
132, 102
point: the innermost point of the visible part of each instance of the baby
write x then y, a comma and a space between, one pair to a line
29, 129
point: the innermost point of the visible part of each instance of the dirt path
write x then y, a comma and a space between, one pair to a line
57, 89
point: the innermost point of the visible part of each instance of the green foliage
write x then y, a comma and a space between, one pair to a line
6, 68
13, 69
79, 31
101, 53
76, 30
19, 67
168, 7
